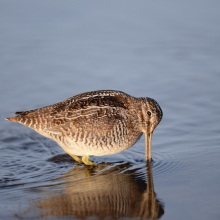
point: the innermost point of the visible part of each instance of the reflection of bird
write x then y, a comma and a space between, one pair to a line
103, 192
95, 123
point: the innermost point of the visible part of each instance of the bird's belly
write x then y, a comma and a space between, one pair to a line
97, 146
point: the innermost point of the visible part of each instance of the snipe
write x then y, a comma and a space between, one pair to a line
95, 123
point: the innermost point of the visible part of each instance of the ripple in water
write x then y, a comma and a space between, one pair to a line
165, 164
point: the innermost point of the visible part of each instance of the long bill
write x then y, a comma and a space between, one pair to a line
148, 138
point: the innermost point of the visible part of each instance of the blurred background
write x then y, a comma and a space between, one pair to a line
169, 51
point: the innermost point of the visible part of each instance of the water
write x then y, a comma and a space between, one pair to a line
168, 51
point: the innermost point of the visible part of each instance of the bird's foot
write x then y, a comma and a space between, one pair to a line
85, 160
76, 158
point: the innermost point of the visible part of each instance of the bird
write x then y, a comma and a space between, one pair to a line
95, 123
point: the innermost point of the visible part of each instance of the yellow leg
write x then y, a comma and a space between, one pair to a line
76, 158
86, 161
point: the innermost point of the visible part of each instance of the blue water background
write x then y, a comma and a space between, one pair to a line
169, 51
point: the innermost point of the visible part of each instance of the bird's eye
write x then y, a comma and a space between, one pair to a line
149, 113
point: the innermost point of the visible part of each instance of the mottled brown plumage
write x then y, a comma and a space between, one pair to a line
95, 123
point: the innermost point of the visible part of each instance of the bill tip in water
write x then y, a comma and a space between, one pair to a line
148, 138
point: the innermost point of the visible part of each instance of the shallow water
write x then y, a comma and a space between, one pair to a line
167, 51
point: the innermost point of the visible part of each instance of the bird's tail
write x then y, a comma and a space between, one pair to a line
11, 119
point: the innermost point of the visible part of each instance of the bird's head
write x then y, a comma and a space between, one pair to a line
149, 116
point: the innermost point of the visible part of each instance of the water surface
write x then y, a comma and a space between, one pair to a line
167, 51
